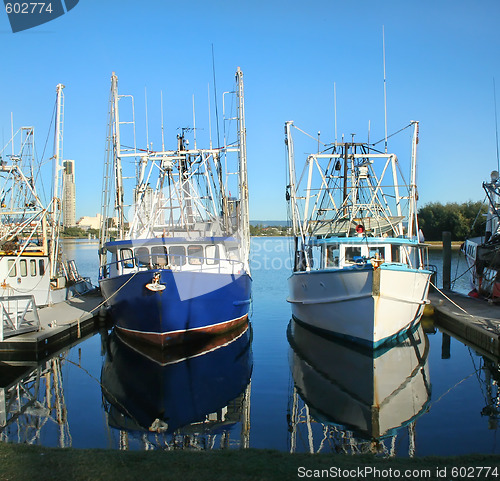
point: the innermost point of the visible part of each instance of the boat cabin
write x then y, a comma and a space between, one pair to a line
25, 273
339, 253
177, 254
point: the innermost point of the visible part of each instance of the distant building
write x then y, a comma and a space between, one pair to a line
69, 197
87, 222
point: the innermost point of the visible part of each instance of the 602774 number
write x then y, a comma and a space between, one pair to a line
474, 472
28, 8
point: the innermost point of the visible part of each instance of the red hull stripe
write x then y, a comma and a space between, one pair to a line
188, 335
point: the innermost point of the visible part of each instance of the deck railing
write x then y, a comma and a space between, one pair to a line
15, 319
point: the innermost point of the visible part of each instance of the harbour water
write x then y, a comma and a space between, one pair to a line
260, 391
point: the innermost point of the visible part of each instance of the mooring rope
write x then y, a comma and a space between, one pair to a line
103, 302
453, 302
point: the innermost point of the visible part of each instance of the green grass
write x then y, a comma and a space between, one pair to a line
35, 463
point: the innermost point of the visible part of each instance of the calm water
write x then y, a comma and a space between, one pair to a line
103, 394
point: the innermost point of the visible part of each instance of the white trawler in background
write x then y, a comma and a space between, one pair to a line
33, 272
483, 253
358, 268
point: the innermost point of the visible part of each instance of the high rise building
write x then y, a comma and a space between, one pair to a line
69, 198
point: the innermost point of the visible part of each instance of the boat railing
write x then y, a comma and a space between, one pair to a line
19, 315
182, 263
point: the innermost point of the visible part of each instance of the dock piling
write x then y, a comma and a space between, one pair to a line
447, 260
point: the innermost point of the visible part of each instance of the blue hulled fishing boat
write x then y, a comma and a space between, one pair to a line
174, 253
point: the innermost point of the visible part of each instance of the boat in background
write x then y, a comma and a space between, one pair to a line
483, 253
359, 267
33, 271
177, 269
357, 408
182, 400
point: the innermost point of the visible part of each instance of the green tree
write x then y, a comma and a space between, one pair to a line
74, 232
462, 220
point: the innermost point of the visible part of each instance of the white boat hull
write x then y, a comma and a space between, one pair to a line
363, 305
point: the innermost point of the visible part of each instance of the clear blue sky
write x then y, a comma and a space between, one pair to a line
441, 59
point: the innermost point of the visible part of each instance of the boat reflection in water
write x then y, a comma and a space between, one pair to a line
32, 403
191, 397
355, 400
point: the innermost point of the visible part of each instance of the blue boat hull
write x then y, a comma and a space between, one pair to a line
191, 305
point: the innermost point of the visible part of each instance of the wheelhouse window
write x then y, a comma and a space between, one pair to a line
177, 255
23, 268
332, 255
11, 264
33, 267
159, 256
352, 254
395, 252
212, 255
195, 255
142, 256
377, 252
127, 258
41, 267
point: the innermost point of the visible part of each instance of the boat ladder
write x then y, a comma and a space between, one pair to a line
19, 315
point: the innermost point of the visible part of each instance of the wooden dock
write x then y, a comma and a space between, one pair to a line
476, 322
61, 324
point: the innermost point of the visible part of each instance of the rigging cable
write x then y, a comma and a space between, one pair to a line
392, 135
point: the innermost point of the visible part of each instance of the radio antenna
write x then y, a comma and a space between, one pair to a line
209, 117
215, 96
335, 109
147, 127
496, 123
194, 125
162, 131
385, 88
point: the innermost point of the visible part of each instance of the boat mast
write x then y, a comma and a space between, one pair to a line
412, 216
184, 178
115, 119
57, 169
298, 230
291, 194
118, 164
242, 154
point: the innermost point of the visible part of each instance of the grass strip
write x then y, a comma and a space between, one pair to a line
23, 462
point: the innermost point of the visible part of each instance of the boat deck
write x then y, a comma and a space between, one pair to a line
60, 324
476, 322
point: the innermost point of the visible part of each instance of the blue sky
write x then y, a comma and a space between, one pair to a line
441, 59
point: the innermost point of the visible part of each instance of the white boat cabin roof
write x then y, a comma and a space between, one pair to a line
365, 240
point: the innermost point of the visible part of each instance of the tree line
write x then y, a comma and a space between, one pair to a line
462, 220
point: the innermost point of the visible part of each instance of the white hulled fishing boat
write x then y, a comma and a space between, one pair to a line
33, 271
483, 253
358, 269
